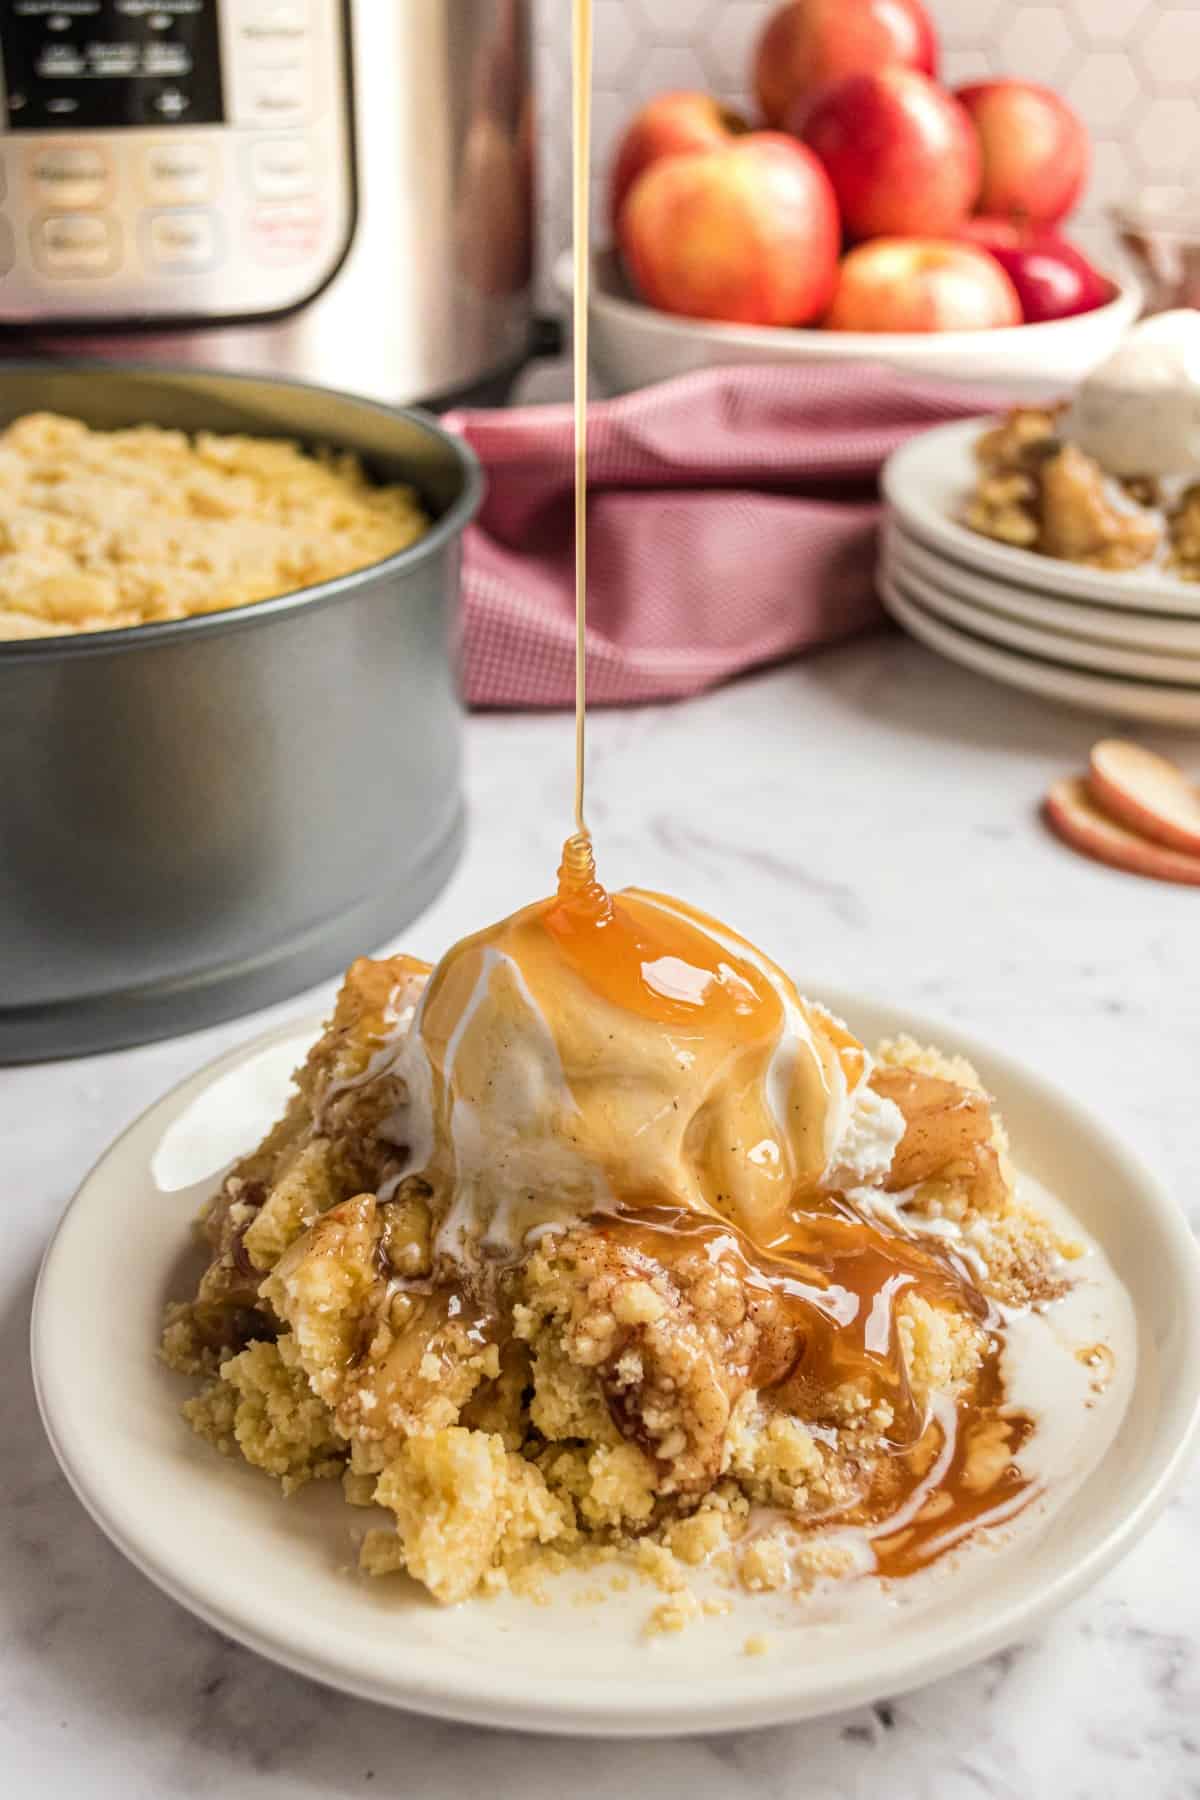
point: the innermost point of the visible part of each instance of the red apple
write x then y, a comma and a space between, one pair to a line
910, 284
808, 42
1074, 815
749, 233
901, 153
671, 125
1035, 148
1149, 794
1053, 279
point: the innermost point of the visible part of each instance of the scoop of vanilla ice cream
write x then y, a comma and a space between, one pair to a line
542, 1088
1138, 413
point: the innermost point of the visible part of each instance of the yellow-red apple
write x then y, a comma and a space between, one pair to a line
901, 153
748, 234
1074, 815
922, 284
670, 125
1036, 151
808, 42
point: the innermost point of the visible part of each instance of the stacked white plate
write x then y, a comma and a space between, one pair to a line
1126, 644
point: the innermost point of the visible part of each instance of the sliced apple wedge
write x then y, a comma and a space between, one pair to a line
1072, 812
1146, 792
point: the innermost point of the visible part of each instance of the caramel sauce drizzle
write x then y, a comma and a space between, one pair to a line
836, 1279
833, 1281
981, 1485
652, 965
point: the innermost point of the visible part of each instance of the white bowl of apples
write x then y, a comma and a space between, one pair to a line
875, 216
632, 345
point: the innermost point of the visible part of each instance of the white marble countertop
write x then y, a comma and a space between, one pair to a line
869, 816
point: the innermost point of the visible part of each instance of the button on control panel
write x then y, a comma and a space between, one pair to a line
76, 244
171, 158
70, 176
181, 241
275, 22
273, 63
281, 168
280, 96
285, 232
178, 173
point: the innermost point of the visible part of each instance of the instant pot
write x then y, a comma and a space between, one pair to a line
338, 190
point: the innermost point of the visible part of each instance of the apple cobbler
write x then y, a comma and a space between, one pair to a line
103, 529
598, 1238
1038, 491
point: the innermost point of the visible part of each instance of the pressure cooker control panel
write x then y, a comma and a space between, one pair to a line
171, 159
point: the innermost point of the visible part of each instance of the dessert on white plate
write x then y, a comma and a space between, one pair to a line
278, 1576
930, 482
599, 1240
1109, 480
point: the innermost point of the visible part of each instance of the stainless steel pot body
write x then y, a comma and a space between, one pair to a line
203, 816
372, 227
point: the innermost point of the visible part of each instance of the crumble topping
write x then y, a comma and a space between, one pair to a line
106, 529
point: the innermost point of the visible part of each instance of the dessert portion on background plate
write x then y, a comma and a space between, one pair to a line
1111, 479
597, 1239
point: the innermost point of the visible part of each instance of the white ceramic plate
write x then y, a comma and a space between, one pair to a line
1074, 652
1071, 618
633, 345
274, 1575
1117, 695
927, 480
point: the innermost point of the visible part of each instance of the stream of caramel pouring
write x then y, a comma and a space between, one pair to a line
581, 152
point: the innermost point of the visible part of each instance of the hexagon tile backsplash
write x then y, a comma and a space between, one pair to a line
1132, 67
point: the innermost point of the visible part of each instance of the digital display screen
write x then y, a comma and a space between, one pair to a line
71, 63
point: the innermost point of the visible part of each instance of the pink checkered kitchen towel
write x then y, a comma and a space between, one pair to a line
731, 521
